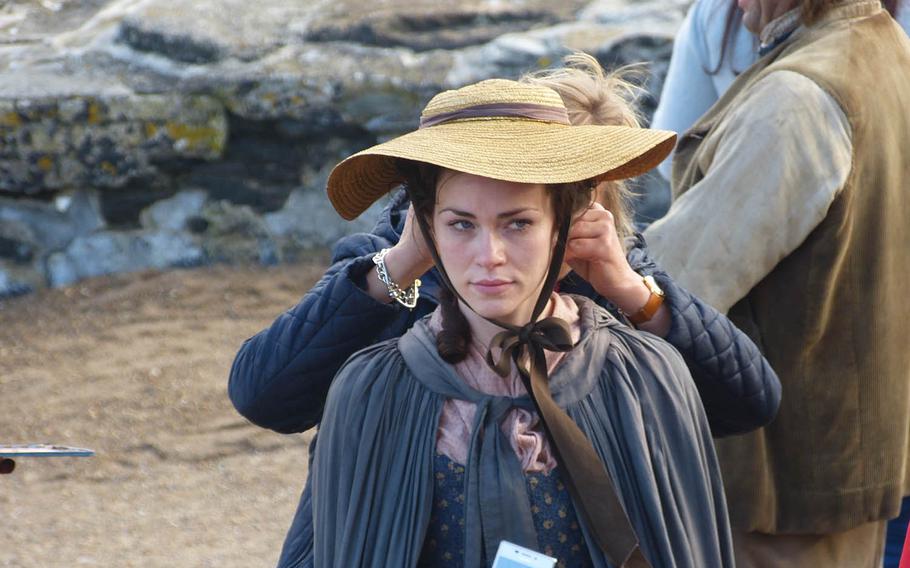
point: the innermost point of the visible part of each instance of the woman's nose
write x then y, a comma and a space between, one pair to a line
492, 250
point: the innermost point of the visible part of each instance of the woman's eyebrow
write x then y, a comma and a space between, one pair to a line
514, 212
502, 215
457, 212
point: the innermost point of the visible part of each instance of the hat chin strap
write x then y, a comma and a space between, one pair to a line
589, 484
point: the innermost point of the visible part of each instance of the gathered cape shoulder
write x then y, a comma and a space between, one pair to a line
629, 392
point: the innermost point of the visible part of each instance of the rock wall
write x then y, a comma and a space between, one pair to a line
157, 133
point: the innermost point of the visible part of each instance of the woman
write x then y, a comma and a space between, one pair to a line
497, 175
280, 377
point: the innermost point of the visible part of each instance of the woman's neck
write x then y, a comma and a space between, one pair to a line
483, 331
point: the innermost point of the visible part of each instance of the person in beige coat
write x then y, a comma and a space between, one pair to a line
791, 214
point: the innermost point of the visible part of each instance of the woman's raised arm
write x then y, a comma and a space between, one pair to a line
281, 375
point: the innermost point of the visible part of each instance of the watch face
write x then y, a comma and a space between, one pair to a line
652, 285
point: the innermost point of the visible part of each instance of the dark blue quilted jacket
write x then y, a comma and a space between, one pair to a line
280, 377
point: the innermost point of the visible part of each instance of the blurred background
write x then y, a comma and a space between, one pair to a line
162, 198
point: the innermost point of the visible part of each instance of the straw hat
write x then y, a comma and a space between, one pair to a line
503, 130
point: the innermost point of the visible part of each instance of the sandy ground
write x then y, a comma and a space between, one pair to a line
135, 367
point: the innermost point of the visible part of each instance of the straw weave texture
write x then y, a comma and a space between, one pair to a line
512, 149
489, 92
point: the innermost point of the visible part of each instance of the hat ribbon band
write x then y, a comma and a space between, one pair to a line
501, 110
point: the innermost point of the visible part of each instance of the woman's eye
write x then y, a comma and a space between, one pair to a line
461, 224
519, 224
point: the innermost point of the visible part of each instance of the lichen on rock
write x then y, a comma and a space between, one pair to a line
228, 114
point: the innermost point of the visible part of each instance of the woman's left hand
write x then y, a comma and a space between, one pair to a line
595, 253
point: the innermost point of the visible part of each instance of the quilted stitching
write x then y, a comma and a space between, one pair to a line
721, 355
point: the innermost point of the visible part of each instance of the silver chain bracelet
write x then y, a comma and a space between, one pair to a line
407, 298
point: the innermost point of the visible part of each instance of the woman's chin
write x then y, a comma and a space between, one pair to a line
500, 310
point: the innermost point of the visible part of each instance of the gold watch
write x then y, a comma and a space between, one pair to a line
655, 300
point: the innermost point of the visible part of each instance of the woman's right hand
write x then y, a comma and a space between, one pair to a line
408, 260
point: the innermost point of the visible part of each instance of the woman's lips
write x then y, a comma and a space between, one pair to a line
491, 286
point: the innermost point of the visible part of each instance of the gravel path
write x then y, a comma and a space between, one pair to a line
135, 367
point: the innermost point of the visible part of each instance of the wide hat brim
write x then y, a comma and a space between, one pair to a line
522, 151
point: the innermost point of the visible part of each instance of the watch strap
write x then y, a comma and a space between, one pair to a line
655, 300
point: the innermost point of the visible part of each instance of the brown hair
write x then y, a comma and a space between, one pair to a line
421, 180
593, 96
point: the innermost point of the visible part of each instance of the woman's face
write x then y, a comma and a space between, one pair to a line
495, 239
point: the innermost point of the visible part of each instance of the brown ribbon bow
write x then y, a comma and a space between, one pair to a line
551, 334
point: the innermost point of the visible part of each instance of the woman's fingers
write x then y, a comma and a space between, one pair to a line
595, 211
588, 229
594, 215
413, 238
598, 227
585, 249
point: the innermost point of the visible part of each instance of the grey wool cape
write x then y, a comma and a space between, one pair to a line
629, 392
